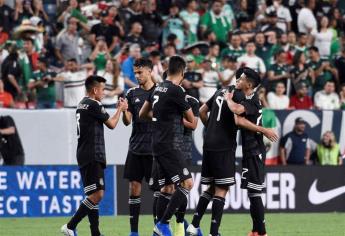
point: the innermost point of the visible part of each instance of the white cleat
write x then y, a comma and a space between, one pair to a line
191, 230
66, 231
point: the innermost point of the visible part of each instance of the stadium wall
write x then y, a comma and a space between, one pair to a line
49, 136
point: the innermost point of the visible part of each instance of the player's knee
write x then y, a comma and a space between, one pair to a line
221, 190
134, 188
254, 194
168, 189
96, 197
187, 184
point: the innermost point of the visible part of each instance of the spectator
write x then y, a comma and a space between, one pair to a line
12, 73
306, 20
292, 40
72, 8
295, 146
193, 80
213, 55
323, 69
114, 85
278, 100
169, 50
327, 99
3, 34
39, 11
323, 38
6, 14
113, 18
245, 30
130, 13
68, 41
286, 47
228, 13
279, 72
264, 50
228, 75
44, 85
11, 147
210, 80
339, 64
251, 60
6, 99
272, 24
111, 33
342, 97
301, 100
283, 14
127, 66
262, 96
100, 54
23, 10
214, 20
152, 22
234, 49
191, 17
301, 73
328, 151
73, 79
134, 35
174, 25
302, 43
157, 71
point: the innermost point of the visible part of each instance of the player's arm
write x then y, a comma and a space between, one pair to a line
246, 124
146, 111
282, 155
203, 114
190, 125
112, 121
8, 131
236, 108
126, 117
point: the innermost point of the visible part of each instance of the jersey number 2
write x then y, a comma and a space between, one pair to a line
78, 125
155, 100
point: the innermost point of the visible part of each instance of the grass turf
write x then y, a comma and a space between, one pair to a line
318, 224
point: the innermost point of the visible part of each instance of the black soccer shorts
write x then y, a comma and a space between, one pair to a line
253, 173
173, 167
218, 168
92, 176
138, 167
153, 183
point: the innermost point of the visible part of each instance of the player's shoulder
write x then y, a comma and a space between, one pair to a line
132, 90
191, 99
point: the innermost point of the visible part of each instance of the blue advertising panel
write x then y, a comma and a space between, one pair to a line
38, 191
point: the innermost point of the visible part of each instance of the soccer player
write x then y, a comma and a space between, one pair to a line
218, 166
252, 145
167, 106
139, 158
91, 116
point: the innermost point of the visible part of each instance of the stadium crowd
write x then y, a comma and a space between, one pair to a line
48, 48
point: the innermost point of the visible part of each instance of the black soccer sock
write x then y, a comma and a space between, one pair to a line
217, 213
178, 199
134, 210
154, 206
252, 215
162, 203
204, 200
94, 221
258, 209
85, 207
180, 213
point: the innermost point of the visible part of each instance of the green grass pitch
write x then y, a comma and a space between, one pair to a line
318, 224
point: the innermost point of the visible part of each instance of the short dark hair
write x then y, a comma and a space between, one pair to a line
155, 53
176, 65
252, 76
313, 48
143, 62
92, 81
72, 60
28, 38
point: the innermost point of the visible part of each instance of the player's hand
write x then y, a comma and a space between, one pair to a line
271, 135
123, 105
228, 95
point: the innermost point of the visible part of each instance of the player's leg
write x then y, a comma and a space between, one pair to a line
134, 172
223, 167
253, 181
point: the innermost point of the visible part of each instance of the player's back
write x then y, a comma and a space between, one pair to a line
141, 137
221, 130
90, 116
252, 142
168, 105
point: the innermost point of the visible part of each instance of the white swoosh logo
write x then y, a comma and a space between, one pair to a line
316, 197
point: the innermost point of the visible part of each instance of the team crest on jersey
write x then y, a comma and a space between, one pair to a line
151, 181
101, 181
137, 100
103, 110
185, 171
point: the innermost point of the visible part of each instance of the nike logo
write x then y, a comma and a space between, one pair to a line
316, 197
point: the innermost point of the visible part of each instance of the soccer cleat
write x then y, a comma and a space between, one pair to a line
162, 229
179, 229
134, 234
68, 232
192, 231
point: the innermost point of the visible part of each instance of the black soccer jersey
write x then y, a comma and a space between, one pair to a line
187, 135
221, 129
252, 142
168, 105
90, 118
141, 137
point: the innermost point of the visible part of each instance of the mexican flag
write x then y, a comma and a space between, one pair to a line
269, 120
